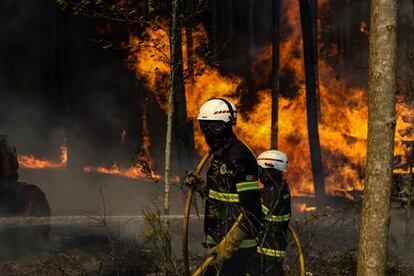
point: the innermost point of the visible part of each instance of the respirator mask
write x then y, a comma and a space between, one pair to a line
217, 133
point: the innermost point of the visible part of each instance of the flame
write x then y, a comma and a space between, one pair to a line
142, 169
31, 162
302, 207
363, 28
343, 119
134, 172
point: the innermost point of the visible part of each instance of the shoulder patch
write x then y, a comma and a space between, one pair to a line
251, 177
223, 168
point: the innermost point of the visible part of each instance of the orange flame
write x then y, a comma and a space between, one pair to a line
31, 162
344, 112
363, 28
142, 169
132, 172
302, 207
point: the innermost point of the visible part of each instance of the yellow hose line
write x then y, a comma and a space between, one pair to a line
298, 244
187, 215
199, 271
299, 248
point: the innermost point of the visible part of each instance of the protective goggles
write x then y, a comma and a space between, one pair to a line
215, 127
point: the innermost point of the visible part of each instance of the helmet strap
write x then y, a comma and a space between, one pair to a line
229, 106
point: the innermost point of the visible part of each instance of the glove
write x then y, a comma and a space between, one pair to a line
195, 181
230, 244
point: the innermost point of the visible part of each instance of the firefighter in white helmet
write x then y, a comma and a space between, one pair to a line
231, 188
275, 195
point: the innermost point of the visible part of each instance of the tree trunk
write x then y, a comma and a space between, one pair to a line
311, 102
275, 72
408, 215
63, 82
167, 175
230, 32
183, 129
251, 29
214, 30
375, 216
189, 40
314, 18
176, 79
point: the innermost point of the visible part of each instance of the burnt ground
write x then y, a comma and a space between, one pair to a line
82, 241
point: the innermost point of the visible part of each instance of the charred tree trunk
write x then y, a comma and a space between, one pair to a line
214, 31
63, 80
251, 29
189, 40
375, 216
408, 215
275, 72
314, 18
312, 102
189, 46
230, 32
183, 128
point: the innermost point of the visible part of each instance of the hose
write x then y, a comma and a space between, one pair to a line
210, 259
187, 209
298, 244
300, 251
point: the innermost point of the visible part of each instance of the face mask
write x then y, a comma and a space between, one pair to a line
269, 176
216, 133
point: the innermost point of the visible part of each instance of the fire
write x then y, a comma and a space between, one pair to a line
302, 207
363, 28
31, 162
142, 169
150, 60
134, 172
343, 119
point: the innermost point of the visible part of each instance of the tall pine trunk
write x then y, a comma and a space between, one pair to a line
251, 29
182, 127
230, 32
314, 18
375, 216
63, 81
312, 102
275, 73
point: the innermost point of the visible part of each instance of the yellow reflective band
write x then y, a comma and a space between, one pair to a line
271, 252
273, 218
247, 186
248, 243
265, 210
244, 244
281, 218
223, 196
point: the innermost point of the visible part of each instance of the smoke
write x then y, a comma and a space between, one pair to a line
105, 110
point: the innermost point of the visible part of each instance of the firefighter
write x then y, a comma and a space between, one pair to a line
231, 188
275, 195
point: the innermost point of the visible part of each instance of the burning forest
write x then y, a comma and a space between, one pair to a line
107, 108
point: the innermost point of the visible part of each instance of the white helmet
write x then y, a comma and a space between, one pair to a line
218, 109
273, 159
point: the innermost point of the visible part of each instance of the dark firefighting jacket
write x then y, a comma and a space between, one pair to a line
232, 187
276, 215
